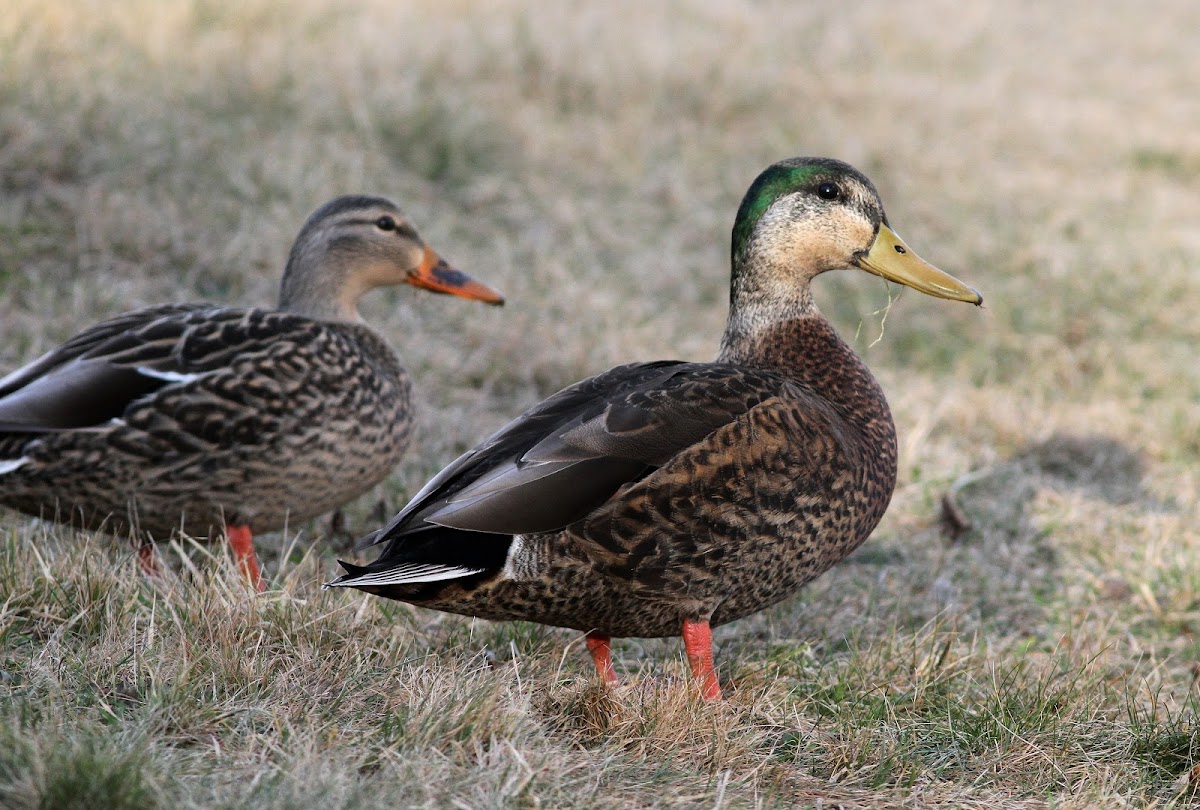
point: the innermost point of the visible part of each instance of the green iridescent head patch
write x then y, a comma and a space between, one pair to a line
778, 180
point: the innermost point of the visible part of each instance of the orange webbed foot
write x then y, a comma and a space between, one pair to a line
241, 541
697, 640
600, 646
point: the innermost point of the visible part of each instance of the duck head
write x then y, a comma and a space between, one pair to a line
355, 243
804, 216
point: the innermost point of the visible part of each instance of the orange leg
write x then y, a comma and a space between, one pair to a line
242, 544
697, 640
600, 648
147, 561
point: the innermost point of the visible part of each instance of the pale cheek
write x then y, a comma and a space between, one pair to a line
387, 272
818, 243
820, 250
848, 234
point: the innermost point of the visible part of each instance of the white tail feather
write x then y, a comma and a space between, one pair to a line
9, 464
406, 575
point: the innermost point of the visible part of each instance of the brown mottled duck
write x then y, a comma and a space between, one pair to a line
670, 497
198, 417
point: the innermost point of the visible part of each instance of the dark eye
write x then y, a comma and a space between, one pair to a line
828, 191
385, 224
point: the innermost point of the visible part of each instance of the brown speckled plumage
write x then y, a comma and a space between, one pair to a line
194, 416
664, 495
811, 473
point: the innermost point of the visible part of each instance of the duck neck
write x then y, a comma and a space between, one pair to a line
318, 285
798, 342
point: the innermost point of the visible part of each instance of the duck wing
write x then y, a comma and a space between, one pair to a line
95, 376
568, 455
92, 377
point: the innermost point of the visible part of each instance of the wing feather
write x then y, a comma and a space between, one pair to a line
571, 453
94, 377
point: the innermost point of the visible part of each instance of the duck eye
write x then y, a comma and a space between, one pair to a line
385, 224
828, 191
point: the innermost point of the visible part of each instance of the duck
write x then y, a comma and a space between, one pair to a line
666, 498
210, 420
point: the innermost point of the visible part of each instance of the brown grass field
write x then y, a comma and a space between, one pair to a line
588, 159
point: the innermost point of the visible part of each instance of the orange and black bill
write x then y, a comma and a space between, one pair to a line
437, 275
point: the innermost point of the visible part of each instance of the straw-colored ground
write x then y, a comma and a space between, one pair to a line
588, 161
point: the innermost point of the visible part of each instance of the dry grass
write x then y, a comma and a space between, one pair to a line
588, 161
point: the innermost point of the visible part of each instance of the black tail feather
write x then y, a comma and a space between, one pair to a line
352, 571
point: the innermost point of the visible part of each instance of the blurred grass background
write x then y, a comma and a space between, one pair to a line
588, 160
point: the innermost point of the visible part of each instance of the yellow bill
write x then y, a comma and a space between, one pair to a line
890, 258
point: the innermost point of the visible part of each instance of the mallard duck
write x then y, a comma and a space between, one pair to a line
198, 417
671, 497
